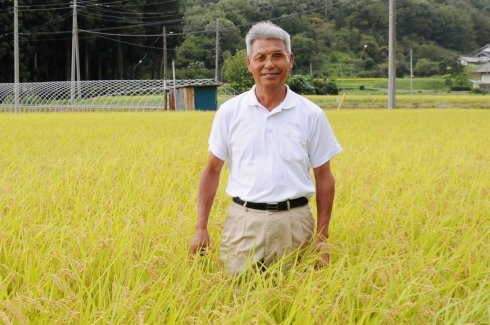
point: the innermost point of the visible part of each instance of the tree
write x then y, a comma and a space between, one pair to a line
45, 40
195, 70
303, 47
426, 68
481, 22
414, 18
452, 28
437, 30
236, 72
196, 49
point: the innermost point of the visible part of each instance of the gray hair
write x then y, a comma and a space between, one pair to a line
266, 30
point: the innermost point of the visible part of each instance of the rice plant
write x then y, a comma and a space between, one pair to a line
97, 211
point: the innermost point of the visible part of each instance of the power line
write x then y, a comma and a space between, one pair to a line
189, 32
61, 39
45, 5
97, 33
44, 9
128, 26
45, 33
124, 42
128, 18
154, 14
51, 22
122, 35
115, 19
142, 15
88, 3
141, 45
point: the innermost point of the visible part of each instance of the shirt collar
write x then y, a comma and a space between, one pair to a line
288, 102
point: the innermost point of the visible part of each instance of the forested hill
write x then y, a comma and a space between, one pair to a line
122, 39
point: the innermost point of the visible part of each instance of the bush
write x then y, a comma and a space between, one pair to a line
301, 84
479, 91
460, 88
325, 87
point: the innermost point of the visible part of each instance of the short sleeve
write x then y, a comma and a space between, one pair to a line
323, 144
219, 133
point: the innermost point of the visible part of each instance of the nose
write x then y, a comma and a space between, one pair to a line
268, 62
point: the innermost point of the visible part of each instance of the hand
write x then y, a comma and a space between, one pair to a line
200, 242
321, 247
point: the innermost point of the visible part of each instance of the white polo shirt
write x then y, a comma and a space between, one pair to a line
270, 154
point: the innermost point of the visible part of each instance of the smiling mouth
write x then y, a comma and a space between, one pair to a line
270, 74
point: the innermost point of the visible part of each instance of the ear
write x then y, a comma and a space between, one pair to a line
247, 61
291, 61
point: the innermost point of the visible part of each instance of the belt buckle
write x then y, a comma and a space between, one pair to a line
274, 207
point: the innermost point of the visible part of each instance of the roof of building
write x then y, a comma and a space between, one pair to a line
181, 83
483, 55
484, 68
486, 48
470, 59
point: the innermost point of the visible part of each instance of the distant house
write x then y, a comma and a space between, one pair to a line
482, 56
484, 72
465, 60
484, 53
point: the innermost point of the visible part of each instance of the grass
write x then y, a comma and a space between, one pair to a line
403, 84
97, 211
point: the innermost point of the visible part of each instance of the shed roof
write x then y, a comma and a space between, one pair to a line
179, 83
484, 68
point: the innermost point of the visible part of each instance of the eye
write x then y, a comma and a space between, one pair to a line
278, 56
259, 58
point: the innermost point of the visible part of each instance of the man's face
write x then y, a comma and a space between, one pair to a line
269, 62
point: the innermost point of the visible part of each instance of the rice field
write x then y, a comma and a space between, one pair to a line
379, 99
97, 211
426, 100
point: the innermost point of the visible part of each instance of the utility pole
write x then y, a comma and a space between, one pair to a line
175, 85
164, 68
216, 72
16, 56
78, 57
341, 77
392, 57
75, 58
411, 73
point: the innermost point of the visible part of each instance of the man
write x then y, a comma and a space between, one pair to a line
271, 137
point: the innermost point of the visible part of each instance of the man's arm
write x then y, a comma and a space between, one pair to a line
325, 192
208, 185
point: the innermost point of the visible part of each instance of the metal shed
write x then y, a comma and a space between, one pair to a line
190, 97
